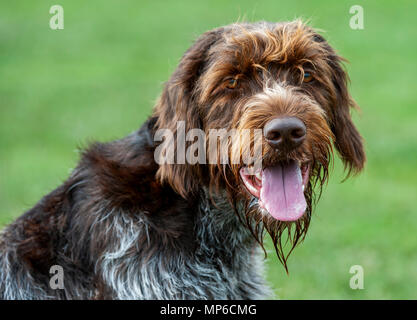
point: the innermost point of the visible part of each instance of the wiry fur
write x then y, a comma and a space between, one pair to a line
224, 246
124, 227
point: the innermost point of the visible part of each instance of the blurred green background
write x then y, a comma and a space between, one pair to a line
98, 78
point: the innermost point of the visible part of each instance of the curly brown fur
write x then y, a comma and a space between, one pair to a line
261, 55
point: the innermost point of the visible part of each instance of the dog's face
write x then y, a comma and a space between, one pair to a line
283, 80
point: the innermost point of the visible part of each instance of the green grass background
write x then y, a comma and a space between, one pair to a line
98, 78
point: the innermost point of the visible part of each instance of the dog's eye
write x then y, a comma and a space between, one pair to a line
307, 77
232, 83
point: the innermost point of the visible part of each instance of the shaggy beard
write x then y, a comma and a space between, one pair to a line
258, 221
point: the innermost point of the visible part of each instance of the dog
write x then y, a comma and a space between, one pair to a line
131, 224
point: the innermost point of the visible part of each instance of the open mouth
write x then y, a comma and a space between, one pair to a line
279, 189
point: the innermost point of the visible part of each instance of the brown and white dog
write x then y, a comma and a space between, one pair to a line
126, 225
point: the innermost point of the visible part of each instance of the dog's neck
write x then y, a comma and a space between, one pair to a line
218, 227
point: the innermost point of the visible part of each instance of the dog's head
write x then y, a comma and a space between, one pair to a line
279, 92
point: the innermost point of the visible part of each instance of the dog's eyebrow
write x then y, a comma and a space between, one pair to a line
318, 38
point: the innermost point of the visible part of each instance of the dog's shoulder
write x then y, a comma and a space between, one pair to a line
116, 178
124, 172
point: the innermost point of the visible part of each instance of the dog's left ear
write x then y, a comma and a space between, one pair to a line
348, 141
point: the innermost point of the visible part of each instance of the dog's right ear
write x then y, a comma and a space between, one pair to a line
177, 103
347, 139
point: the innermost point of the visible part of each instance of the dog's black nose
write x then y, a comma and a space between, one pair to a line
287, 133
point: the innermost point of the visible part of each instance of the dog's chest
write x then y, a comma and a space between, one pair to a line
226, 262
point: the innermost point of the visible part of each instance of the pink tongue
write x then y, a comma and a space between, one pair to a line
282, 192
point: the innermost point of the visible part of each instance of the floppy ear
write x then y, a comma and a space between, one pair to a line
348, 141
177, 103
